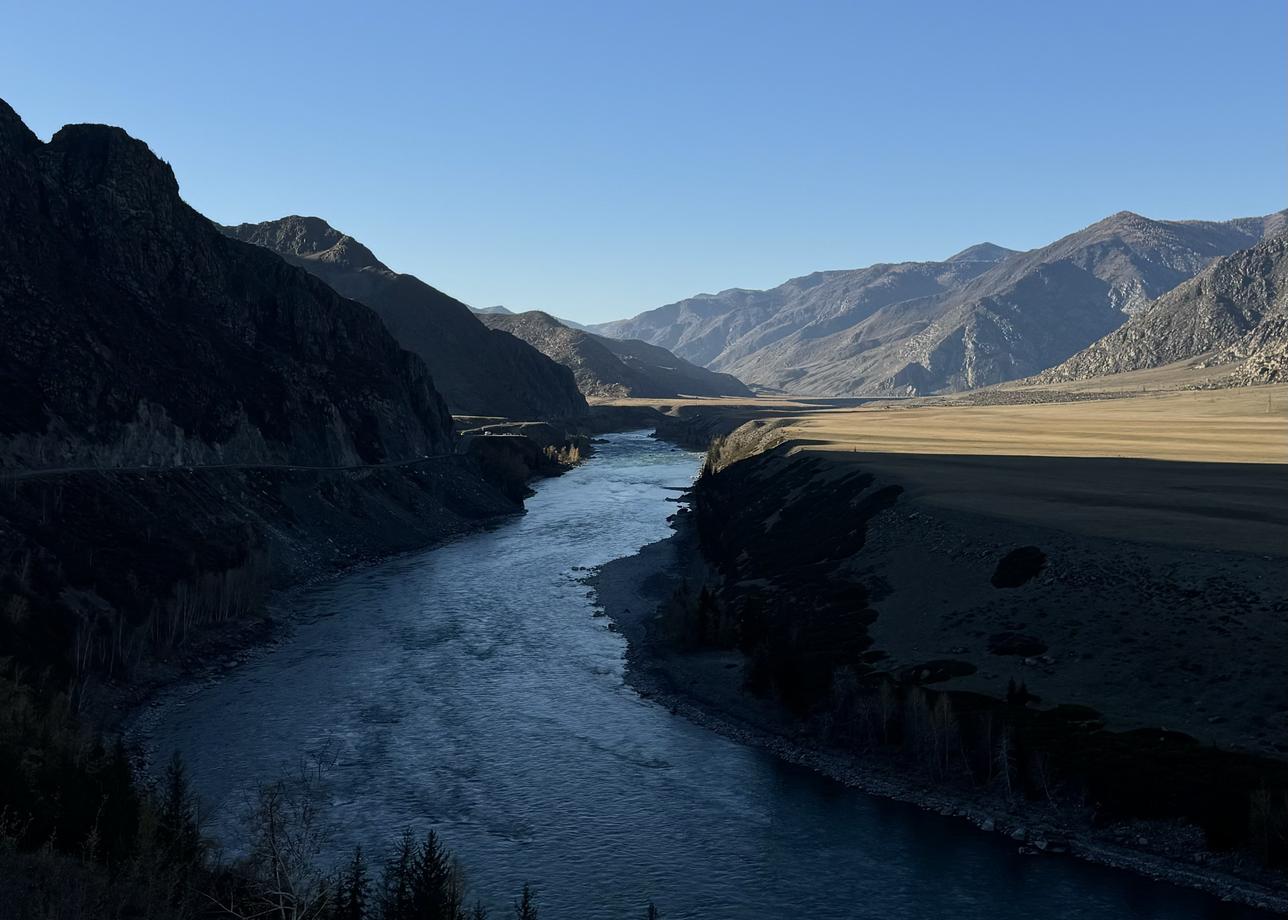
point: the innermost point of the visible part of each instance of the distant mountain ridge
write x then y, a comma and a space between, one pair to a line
611, 368
1236, 310
499, 310
479, 372
983, 316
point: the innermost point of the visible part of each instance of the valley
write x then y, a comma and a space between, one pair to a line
702, 610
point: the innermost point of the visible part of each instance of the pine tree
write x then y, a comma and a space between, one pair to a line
526, 907
121, 808
435, 892
396, 890
353, 889
178, 829
652, 913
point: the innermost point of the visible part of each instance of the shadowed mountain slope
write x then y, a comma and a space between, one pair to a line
135, 333
186, 420
607, 367
479, 372
984, 316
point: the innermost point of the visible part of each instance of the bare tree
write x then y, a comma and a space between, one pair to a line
281, 879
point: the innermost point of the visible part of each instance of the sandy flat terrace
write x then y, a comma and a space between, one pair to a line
1198, 468
1248, 425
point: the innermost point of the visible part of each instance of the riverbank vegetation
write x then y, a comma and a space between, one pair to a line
81, 839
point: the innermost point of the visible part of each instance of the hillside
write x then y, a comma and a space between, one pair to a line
137, 334
981, 317
1234, 311
478, 371
606, 367
188, 420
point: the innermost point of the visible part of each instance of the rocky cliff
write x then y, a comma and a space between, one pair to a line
479, 372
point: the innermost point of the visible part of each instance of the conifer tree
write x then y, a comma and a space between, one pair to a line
396, 890
435, 894
178, 833
526, 907
353, 889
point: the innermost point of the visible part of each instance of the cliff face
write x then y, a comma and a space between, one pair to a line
478, 371
186, 420
136, 334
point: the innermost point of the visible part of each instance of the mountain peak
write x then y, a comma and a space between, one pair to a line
310, 238
982, 252
15, 136
106, 157
1126, 220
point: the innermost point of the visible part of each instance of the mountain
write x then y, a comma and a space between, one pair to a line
479, 372
982, 252
607, 367
1236, 310
137, 334
186, 420
506, 311
983, 316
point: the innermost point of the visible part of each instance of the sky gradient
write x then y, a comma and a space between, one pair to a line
599, 159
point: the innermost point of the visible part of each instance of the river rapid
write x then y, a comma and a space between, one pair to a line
472, 688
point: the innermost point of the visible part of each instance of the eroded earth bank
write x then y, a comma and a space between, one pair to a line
1081, 653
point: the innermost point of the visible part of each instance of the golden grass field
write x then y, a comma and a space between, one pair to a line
1205, 468
1245, 425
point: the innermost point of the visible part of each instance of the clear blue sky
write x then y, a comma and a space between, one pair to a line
601, 158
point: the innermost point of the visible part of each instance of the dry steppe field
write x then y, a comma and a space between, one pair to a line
1163, 515
1201, 467
1204, 467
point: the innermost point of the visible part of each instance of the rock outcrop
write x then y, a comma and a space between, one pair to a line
479, 372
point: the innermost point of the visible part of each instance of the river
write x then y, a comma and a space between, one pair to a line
471, 688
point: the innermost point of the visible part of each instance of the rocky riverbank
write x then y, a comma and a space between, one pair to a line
707, 687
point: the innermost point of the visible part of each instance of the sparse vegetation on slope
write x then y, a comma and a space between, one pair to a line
980, 318
1235, 312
